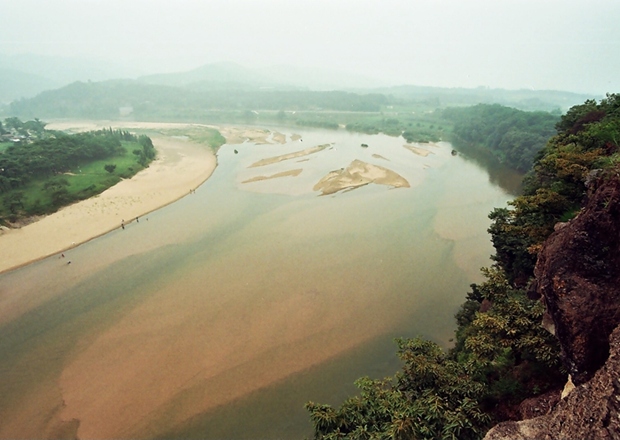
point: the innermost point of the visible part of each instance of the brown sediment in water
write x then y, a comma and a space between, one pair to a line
195, 344
289, 173
301, 153
184, 351
358, 174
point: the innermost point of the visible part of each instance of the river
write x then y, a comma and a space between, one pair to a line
220, 315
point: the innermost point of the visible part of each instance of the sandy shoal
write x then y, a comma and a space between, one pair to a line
179, 167
294, 155
358, 174
289, 173
417, 150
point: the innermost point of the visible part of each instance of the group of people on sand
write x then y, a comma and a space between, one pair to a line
62, 255
137, 221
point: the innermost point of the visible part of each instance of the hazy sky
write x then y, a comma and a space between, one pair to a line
542, 44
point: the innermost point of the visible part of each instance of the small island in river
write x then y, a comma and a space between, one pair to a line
358, 174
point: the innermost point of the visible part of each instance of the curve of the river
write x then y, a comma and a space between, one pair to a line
220, 315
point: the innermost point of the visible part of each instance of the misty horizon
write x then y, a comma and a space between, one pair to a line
569, 46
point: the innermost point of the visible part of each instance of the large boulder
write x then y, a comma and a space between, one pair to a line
578, 277
590, 411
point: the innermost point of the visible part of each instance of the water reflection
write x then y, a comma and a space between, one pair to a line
499, 174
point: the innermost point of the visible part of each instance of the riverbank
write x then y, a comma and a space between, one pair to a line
180, 166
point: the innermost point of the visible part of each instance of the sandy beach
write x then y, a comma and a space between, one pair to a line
181, 166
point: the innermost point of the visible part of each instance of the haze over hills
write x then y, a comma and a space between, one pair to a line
281, 77
26, 75
50, 87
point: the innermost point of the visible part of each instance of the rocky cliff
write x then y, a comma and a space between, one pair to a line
590, 411
578, 278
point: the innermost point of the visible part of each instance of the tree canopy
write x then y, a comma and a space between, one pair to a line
513, 136
40, 170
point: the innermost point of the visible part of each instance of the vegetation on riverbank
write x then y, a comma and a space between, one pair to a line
512, 131
512, 136
43, 170
502, 354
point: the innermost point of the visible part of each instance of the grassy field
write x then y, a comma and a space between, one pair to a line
202, 135
85, 181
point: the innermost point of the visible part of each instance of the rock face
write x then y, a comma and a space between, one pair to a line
590, 411
578, 276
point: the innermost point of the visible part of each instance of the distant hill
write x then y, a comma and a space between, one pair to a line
210, 91
16, 84
212, 76
26, 75
524, 99
139, 100
218, 76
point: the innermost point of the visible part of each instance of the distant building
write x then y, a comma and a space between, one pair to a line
125, 111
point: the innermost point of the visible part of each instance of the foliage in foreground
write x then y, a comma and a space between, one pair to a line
501, 354
433, 397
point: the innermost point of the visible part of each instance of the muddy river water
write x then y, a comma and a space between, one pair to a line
220, 315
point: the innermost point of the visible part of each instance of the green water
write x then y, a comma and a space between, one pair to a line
298, 294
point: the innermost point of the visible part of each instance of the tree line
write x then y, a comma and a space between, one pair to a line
513, 136
42, 170
105, 99
60, 153
501, 354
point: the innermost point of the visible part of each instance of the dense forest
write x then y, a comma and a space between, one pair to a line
42, 170
501, 354
112, 99
174, 99
512, 135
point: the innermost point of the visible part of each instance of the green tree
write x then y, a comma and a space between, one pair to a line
14, 123
434, 397
57, 189
15, 201
110, 167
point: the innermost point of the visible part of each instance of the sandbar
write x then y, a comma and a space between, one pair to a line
417, 150
293, 155
378, 156
358, 174
278, 137
288, 173
180, 166
239, 135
